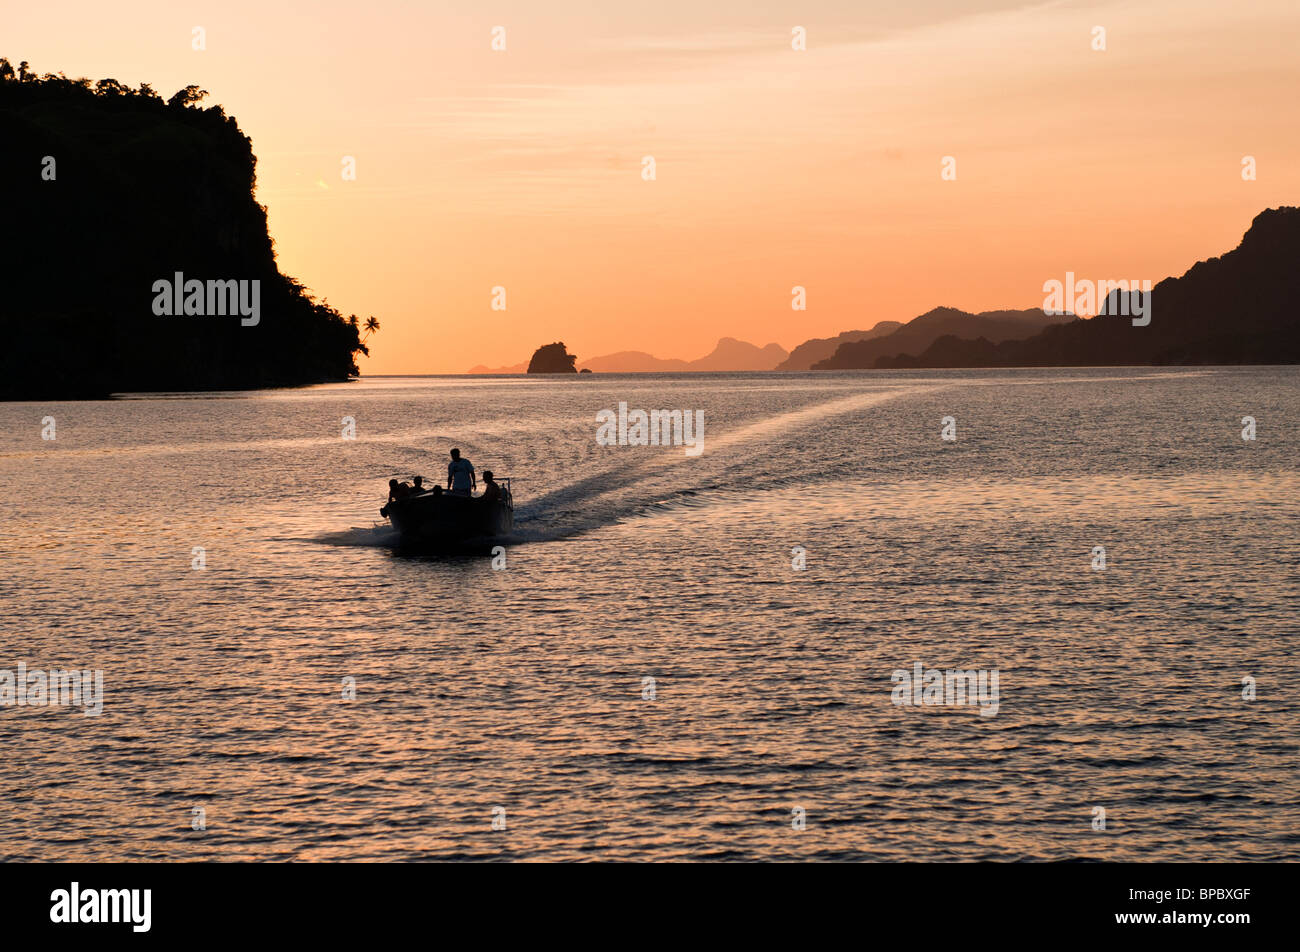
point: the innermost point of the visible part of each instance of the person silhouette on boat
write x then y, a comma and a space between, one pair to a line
418, 487
491, 491
460, 475
396, 491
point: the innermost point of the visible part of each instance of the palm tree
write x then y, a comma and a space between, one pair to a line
371, 326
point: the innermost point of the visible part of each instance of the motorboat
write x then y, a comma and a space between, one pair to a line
444, 518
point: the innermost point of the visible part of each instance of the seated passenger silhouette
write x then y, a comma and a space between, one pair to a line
491, 491
396, 491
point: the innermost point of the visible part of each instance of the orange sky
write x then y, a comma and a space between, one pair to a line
775, 167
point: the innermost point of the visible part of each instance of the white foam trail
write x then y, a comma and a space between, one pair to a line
379, 536
805, 415
591, 503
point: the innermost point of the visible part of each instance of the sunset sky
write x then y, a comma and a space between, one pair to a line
775, 167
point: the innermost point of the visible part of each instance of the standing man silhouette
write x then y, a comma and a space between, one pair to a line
460, 475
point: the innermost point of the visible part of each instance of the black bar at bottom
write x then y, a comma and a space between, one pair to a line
965, 903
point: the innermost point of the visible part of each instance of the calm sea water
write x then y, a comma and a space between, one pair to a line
524, 688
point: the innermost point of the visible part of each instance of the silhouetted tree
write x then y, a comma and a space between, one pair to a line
187, 96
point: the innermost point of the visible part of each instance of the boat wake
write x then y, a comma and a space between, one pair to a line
650, 480
381, 536
662, 479
755, 455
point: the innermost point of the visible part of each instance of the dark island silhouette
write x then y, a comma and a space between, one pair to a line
107, 190
552, 359
1239, 308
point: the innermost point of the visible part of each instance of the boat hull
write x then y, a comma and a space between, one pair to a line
447, 520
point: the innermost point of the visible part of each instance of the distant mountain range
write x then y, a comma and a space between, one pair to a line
1240, 308
920, 332
729, 354
820, 348
520, 368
